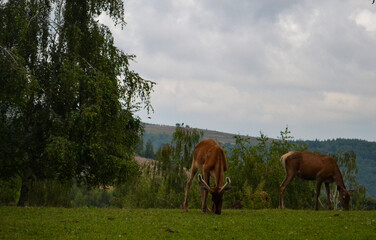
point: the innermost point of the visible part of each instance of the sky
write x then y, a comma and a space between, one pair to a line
251, 66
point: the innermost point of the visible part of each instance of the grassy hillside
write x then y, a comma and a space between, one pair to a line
94, 223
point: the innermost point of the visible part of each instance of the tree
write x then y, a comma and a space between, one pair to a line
140, 147
346, 161
149, 151
185, 139
174, 160
68, 97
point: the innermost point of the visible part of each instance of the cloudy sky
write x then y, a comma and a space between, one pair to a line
247, 66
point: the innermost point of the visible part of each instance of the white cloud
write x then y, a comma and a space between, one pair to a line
367, 20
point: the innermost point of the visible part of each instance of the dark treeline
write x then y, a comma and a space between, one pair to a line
151, 142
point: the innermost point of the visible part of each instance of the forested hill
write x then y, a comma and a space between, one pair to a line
365, 151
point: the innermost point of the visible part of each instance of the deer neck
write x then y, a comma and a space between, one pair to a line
339, 180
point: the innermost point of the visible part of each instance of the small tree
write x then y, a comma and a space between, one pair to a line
140, 147
149, 150
174, 160
184, 140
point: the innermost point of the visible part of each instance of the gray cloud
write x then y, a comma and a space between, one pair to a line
250, 66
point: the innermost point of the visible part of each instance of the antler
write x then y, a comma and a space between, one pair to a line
205, 185
226, 187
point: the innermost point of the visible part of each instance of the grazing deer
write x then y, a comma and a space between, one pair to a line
313, 166
210, 158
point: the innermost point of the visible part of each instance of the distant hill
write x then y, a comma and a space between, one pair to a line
224, 138
365, 151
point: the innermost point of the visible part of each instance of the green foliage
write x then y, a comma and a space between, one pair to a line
68, 97
9, 192
81, 196
174, 160
365, 151
140, 192
140, 147
370, 203
50, 193
257, 199
255, 171
149, 150
347, 163
184, 140
258, 167
150, 191
162, 184
358, 198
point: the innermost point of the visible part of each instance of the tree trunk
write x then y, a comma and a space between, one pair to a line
24, 188
24, 192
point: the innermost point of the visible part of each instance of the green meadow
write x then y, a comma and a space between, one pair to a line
112, 223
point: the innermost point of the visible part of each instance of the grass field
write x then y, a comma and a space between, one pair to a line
95, 223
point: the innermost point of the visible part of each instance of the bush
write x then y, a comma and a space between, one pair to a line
9, 192
50, 193
81, 196
151, 190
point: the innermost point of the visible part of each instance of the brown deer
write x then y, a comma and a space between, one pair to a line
210, 158
313, 166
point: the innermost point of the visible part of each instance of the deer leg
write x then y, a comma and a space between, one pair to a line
188, 187
318, 189
284, 184
204, 193
328, 195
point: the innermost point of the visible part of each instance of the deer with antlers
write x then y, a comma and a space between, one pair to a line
313, 166
210, 159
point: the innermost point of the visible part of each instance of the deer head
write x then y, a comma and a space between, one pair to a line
216, 192
344, 197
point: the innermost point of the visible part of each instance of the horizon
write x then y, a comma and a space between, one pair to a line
294, 139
